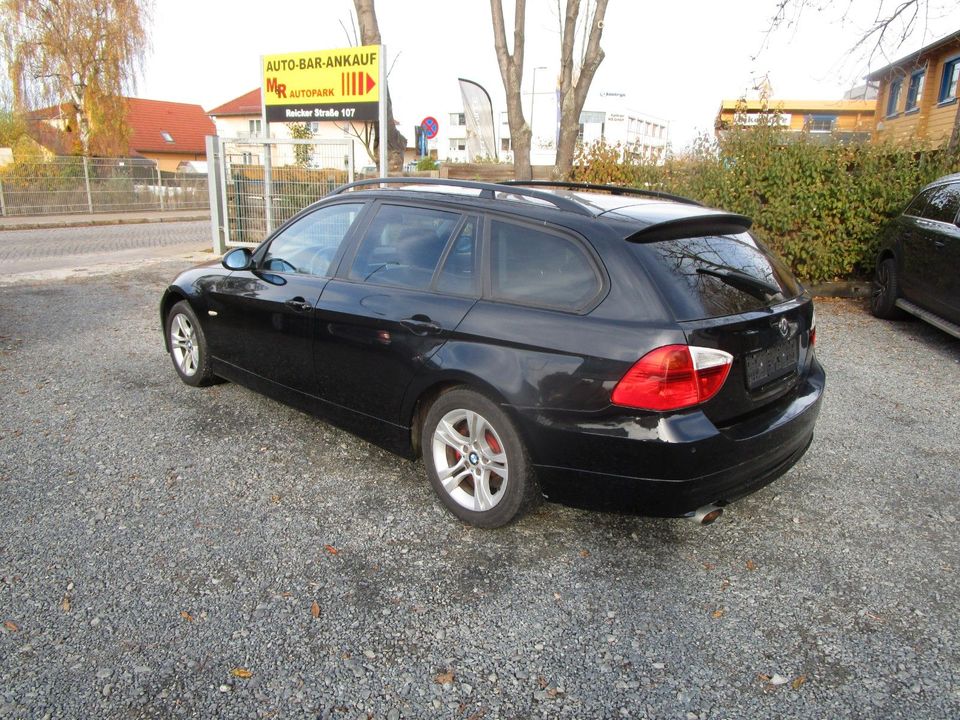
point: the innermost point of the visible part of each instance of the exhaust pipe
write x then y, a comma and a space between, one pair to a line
706, 514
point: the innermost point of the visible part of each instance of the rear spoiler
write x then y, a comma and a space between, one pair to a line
697, 226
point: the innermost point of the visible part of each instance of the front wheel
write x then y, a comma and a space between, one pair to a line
188, 346
883, 301
476, 460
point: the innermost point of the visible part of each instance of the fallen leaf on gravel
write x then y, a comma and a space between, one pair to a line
542, 682
444, 678
584, 553
11, 626
556, 596
779, 679
65, 603
708, 566
751, 565
315, 609
763, 677
331, 549
241, 673
798, 681
717, 614
186, 616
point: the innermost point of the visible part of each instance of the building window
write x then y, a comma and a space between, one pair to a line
821, 123
167, 137
915, 90
458, 119
948, 85
255, 128
506, 145
580, 134
893, 99
458, 144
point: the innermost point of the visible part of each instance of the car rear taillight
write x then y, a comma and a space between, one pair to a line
673, 377
813, 329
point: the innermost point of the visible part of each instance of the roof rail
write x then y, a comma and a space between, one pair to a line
487, 190
612, 189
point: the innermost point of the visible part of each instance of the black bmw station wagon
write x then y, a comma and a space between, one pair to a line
592, 344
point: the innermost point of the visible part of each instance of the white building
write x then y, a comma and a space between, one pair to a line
607, 116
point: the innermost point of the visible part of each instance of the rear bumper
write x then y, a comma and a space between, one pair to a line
671, 465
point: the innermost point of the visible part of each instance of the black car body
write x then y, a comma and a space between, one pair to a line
533, 305
918, 265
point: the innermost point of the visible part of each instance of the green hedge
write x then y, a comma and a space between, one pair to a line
821, 206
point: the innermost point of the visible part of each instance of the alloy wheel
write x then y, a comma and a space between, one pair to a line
470, 459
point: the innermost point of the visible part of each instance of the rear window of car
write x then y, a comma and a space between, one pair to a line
713, 276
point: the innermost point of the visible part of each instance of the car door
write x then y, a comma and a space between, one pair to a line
941, 251
409, 282
263, 321
912, 247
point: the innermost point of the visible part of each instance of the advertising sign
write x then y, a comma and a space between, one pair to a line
341, 84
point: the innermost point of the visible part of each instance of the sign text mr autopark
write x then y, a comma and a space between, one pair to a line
339, 84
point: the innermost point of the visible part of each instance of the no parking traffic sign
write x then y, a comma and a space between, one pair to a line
430, 127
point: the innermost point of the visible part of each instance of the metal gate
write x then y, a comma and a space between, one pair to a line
257, 184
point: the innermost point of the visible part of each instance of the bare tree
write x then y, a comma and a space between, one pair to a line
511, 70
82, 53
370, 35
576, 75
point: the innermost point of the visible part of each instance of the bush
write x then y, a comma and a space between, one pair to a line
426, 163
820, 206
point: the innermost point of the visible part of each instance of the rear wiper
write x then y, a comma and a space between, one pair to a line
748, 283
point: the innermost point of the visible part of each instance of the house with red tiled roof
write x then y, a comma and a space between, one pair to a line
168, 133
239, 117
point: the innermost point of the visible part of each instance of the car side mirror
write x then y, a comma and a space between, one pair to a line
238, 259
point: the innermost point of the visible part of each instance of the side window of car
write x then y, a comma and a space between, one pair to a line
537, 267
915, 208
944, 204
309, 245
460, 273
403, 245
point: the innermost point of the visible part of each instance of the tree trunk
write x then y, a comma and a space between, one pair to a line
511, 70
370, 35
574, 85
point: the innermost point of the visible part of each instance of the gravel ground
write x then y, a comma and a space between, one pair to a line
173, 552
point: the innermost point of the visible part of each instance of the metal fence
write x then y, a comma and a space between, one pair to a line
62, 185
257, 184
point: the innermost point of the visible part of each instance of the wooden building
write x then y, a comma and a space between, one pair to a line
918, 94
832, 120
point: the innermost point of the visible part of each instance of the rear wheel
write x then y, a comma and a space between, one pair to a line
476, 460
188, 346
885, 291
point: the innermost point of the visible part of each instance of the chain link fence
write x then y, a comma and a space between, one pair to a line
261, 183
62, 185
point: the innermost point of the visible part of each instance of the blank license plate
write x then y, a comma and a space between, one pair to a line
772, 363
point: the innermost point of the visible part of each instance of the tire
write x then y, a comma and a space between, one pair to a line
886, 289
188, 346
470, 441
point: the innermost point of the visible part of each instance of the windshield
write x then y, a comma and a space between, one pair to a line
720, 275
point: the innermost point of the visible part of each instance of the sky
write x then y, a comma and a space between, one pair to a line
675, 60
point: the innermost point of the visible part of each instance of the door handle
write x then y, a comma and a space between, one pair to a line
421, 325
299, 304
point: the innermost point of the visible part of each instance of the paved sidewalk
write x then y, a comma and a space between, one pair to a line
36, 222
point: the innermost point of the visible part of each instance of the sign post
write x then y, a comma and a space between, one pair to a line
384, 130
